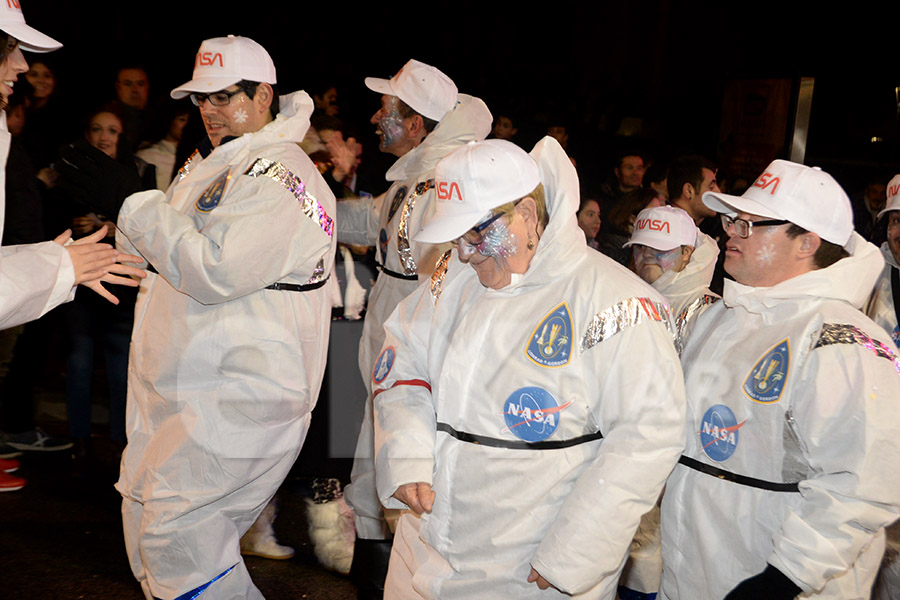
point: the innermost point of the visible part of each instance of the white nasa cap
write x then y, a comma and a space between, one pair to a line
224, 61
805, 196
893, 196
12, 21
474, 179
664, 228
424, 88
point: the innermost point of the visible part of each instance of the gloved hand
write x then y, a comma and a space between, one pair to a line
97, 182
771, 584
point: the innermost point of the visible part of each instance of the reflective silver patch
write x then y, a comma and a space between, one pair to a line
687, 315
626, 313
185, 169
308, 204
318, 273
404, 253
836, 333
437, 278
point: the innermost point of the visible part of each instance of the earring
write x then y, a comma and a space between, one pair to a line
530, 244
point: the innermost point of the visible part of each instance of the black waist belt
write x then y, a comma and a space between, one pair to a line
395, 274
739, 479
296, 287
513, 445
281, 287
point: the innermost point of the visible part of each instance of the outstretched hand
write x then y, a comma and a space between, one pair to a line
95, 263
536, 578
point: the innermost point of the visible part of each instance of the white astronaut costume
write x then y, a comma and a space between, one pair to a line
794, 391
881, 304
389, 223
224, 370
498, 398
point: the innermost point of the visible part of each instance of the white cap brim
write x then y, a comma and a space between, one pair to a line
30, 38
730, 205
444, 228
379, 85
203, 85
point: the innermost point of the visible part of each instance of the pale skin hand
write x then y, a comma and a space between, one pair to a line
417, 496
343, 154
535, 577
95, 263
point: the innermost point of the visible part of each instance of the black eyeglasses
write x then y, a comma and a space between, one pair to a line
216, 98
744, 228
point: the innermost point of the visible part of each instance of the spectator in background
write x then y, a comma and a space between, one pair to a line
867, 206
655, 178
589, 220
132, 96
504, 128
170, 125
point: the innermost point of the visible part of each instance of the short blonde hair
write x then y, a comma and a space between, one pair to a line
540, 201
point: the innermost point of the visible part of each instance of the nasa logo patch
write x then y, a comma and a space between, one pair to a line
719, 433
395, 203
212, 195
550, 344
532, 414
383, 364
766, 379
895, 336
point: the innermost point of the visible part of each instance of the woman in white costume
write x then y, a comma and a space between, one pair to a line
509, 412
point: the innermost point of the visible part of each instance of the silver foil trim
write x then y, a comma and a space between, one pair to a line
626, 313
185, 169
836, 333
318, 273
404, 253
437, 278
309, 205
687, 315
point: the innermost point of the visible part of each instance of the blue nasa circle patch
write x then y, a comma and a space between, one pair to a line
383, 244
719, 433
383, 364
212, 195
766, 379
550, 344
895, 336
532, 414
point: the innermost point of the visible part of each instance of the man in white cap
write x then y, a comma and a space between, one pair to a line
672, 255
230, 337
789, 472
510, 415
35, 278
421, 119
884, 309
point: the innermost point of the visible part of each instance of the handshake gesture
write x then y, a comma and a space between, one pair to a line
95, 263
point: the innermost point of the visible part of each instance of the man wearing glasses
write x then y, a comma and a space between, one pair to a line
230, 337
788, 477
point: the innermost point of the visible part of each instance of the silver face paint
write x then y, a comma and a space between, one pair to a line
494, 241
391, 126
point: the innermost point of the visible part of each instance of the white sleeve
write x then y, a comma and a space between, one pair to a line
640, 406
34, 278
405, 423
259, 236
848, 419
357, 220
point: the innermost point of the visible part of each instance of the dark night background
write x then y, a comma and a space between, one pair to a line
589, 65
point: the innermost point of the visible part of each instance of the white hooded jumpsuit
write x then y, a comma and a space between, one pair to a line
224, 372
389, 223
792, 398
498, 399
34, 278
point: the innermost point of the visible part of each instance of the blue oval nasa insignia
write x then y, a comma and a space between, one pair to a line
532, 414
550, 344
895, 336
383, 365
766, 379
212, 195
395, 203
719, 433
383, 244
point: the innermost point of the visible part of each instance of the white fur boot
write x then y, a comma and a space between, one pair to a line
331, 530
260, 538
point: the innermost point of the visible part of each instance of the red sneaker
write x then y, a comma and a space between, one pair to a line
10, 483
8, 465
